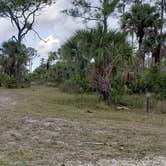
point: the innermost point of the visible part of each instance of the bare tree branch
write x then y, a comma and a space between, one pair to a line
39, 35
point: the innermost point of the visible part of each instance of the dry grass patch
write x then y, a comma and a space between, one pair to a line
47, 127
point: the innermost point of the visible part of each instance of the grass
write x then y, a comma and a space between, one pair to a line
139, 102
96, 126
44, 102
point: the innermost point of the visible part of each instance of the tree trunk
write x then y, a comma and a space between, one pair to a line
105, 24
141, 36
105, 29
19, 52
158, 55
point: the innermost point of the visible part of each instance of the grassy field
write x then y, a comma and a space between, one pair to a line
42, 126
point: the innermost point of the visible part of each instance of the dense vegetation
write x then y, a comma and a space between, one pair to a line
112, 63
99, 99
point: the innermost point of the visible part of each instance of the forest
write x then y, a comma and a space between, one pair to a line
104, 79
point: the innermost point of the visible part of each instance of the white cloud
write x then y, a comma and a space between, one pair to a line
56, 27
62, 26
52, 25
45, 47
6, 30
52, 13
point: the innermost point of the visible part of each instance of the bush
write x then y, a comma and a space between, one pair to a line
1, 77
40, 74
117, 89
75, 85
69, 86
152, 80
25, 82
138, 86
9, 81
155, 81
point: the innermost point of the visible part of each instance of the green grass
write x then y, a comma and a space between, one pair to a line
138, 102
123, 133
50, 102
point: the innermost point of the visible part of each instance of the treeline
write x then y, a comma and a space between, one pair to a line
110, 62
15, 57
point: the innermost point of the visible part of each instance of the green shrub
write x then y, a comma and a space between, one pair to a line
152, 80
117, 89
25, 82
138, 86
40, 74
69, 86
9, 81
1, 77
155, 81
75, 85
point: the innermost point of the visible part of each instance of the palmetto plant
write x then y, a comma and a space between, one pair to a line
11, 61
111, 52
76, 52
108, 51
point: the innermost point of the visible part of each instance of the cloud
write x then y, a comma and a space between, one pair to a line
6, 30
51, 44
55, 27
53, 13
61, 26
52, 25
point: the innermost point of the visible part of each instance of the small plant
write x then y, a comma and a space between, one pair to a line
155, 81
69, 86
25, 82
1, 77
9, 81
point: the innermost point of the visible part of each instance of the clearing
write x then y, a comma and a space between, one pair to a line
42, 126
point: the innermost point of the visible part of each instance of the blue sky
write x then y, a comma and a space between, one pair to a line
51, 24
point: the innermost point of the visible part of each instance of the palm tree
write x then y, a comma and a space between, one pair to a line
76, 53
12, 62
108, 50
139, 20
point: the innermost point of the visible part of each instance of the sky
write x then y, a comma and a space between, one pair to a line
52, 25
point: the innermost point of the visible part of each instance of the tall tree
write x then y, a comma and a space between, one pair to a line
90, 10
22, 14
140, 19
160, 36
12, 62
88, 45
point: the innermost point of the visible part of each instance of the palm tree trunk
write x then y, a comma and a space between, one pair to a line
105, 19
156, 55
